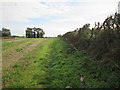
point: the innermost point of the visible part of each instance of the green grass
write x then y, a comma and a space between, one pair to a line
53, 64
11, 39
23, 73
7, 45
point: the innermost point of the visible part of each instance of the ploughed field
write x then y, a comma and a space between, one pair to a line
49, 63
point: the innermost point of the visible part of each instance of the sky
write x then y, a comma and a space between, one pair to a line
53, 16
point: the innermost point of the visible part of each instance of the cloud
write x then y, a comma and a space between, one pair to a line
88, 12
60, 15
35, 0
24, 11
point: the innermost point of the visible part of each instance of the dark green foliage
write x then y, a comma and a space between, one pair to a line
19, 50
5, 32
0, 33
102, 44
34, 32
16, 85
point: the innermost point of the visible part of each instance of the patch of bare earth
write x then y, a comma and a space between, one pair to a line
15, 54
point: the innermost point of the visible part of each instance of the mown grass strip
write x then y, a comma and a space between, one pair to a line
24, 73
7, 45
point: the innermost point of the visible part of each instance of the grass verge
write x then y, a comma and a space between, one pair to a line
54, 64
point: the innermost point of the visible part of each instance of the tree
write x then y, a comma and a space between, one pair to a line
40, 32
6, 32
0, 33
29, 33
34, 32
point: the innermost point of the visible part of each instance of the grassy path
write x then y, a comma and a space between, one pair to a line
54, 64
16, 53
48, 66
10, 43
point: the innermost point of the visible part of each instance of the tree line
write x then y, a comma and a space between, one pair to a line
30, 32
34, 32
101, 42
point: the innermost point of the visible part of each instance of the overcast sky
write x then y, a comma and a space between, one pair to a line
53, 16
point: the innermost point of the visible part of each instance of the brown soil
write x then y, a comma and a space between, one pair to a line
8, 37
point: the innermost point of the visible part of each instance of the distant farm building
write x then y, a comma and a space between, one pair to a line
34, 33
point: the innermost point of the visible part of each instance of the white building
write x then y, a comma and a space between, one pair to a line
119, 7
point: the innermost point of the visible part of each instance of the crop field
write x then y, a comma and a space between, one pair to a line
50, 63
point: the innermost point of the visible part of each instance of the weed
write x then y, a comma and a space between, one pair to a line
19, 50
